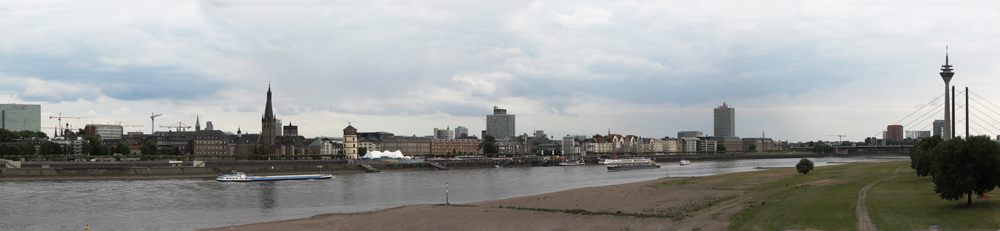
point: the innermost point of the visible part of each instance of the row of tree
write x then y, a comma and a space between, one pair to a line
8, 135
958, 167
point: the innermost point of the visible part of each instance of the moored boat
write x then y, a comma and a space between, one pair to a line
685, 162
243, 177
624, 161
623, 167
571, 163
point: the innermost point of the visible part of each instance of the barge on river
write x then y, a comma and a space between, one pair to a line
243, 177
624, 167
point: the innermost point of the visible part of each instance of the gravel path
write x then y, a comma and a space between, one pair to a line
865, 221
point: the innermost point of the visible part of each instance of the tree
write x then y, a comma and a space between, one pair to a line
489, 139
8, 150
598, 136
721, 148
8, 136
148, 148
821, 147
50, 148
752, 147
97, 147
26, 149
490, 148
804, 166
922, 155
963, 167
362, 150
123, 148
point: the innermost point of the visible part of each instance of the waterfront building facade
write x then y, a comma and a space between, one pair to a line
500, 124
725, 121
455, 146
732, 143
104, 131
21, 117
407, 145
210, 142
689, 134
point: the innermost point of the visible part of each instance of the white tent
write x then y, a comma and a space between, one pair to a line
385, 154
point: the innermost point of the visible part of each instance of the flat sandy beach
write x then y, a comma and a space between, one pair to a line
704, 203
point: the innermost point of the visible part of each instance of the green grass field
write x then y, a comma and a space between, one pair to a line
828, 197
824, 199
908, 202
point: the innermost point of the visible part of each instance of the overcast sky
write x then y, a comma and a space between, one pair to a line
794, 70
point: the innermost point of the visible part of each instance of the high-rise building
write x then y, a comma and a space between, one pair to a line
268, 124
461, 130
278, 128
444, 134
21, 117
500, 124
689, 134
894, 132
917, 134
725, 121
208, 126
938, 128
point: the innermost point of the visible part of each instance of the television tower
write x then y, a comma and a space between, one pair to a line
946, 75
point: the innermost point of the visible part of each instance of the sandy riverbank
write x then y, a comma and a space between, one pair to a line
704, 203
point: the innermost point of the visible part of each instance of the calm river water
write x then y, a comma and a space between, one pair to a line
187, 204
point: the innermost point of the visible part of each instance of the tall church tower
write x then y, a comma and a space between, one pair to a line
267, 123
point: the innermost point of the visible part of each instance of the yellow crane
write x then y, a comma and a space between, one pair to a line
60, 117
152, 122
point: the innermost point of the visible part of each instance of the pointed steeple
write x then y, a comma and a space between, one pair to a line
197, 122
268, 113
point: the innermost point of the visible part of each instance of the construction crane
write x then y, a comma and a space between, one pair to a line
60, 117
152, 122
841, 137
129, 126
179, 126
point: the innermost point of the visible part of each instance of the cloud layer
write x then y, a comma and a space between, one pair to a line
569, 67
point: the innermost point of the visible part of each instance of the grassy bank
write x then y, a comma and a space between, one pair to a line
824, 199
908, 202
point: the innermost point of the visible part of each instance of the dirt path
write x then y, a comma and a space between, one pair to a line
864, 220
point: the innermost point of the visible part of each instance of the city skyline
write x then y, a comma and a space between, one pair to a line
797, 71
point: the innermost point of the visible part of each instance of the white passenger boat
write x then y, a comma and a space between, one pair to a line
624, 161
685, 162
571, 163
243, 177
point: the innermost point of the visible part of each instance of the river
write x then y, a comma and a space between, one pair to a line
187, 204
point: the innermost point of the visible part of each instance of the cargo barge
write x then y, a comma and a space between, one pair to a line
243, 177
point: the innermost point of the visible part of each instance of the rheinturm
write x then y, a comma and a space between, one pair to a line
267, 123
946, 74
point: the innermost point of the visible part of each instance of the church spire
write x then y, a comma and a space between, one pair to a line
197, 122
268, 113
